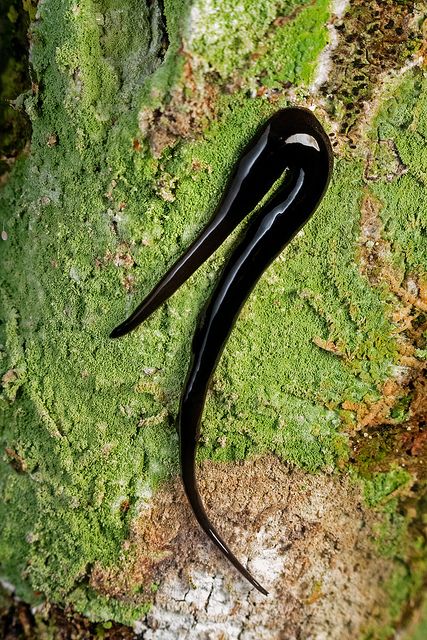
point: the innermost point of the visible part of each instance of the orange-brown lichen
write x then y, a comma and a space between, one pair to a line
394, 427
122, 257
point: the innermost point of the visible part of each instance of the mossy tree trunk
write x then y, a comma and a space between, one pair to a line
313, 448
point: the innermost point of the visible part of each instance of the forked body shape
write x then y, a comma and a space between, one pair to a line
292, 144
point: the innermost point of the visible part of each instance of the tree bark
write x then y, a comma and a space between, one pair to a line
313, 452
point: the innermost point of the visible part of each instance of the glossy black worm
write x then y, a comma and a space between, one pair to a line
291, 144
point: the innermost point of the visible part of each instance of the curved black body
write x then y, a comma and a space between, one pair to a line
293, 143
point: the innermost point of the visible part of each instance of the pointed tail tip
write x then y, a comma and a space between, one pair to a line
131, 323
118, 332
256, 584
261, 588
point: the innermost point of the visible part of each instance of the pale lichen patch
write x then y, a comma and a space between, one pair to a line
324, 63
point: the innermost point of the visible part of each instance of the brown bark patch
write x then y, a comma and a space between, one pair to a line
308, 539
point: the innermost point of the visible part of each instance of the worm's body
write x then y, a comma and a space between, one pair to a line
292, 143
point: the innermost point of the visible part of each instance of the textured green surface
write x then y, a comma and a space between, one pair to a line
395, 539
419, 630
93, 220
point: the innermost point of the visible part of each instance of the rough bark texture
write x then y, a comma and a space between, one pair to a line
313, 455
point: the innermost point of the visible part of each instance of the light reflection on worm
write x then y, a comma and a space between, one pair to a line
291, 144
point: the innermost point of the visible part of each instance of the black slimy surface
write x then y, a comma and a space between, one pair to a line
292, 144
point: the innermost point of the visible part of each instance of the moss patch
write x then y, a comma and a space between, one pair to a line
87, 427
95, 216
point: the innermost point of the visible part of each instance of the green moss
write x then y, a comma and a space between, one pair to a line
104, 609
418, 630
305, 36
397, 536
402, 119
381, 486
230, 37
92, 420
381, 492
400, 410
403, 588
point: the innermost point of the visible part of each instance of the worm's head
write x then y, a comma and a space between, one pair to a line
300, 140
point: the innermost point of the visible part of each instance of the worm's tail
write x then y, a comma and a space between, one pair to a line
190, 485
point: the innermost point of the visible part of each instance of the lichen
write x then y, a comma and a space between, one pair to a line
374, 39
